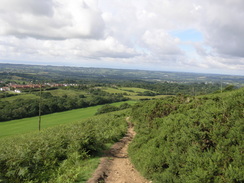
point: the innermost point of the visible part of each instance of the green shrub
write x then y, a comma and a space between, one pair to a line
106, 108
58, 151
198, 139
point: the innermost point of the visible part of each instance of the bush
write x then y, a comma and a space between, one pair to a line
183, 139
106, 108
124, 106
44, 156
110, 108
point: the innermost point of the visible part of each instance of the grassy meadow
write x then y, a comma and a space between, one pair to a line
135, 97
131, 92
128, 90
26, 125
135, 90
62, 92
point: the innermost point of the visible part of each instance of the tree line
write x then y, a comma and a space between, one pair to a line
22, 108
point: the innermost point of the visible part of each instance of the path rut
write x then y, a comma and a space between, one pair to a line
116, 167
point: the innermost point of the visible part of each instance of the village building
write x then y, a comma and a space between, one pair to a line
5, 89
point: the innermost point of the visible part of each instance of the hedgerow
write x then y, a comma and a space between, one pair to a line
58, 154
197, 139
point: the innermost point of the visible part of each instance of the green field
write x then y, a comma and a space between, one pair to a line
26, 125
135, 97
131, 92
128, 90
136, 90
114, 90
20, 96
71, 93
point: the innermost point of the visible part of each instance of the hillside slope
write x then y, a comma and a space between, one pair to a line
60, 154
190, 139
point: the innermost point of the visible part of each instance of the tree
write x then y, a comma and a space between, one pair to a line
106, 108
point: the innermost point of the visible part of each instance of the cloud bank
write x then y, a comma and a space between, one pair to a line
191, 36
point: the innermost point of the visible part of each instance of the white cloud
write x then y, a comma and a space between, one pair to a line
51, 19
225, 63
66, 49
160, 42
110, 47
128, 33
38, 8
223, 27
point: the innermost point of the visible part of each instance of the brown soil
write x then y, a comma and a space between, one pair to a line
116, 167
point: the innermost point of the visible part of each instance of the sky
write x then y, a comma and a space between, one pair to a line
168, 35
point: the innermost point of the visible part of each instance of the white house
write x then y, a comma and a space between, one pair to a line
17, 91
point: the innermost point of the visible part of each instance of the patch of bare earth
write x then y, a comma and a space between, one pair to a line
116, 167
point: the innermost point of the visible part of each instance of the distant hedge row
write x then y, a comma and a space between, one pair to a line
183, 139
22, 108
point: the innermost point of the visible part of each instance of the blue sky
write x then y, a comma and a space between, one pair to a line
189, 36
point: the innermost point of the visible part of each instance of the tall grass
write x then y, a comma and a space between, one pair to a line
59, 154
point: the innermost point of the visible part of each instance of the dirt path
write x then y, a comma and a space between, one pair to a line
116, 167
